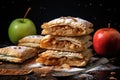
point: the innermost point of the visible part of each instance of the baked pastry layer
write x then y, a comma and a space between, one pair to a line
31, 41
59, 58
28, 44
17, 54
67, 26
73, 44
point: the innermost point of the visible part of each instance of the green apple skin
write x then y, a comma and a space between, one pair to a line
20, 28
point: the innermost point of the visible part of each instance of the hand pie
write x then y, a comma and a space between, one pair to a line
31, 41
17, 54
58, 58
73, 44
67, 26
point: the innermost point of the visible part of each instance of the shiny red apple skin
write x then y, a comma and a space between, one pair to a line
106, 42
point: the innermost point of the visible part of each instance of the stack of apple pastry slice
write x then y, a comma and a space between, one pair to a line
67, 42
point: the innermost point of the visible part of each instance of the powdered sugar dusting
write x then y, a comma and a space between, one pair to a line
18, 48
72, 21
33, 36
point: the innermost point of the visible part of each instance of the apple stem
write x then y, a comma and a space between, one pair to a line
108, 25
26, 13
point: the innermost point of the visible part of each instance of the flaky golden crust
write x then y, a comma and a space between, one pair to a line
74, 22
31, 41
58, 58
28, 44
17, 53
67, 26
73, 44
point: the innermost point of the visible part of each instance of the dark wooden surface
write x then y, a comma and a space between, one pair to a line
37, 74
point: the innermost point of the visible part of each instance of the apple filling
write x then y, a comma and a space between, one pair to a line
63, 30
64, 44
59, 58
63, 60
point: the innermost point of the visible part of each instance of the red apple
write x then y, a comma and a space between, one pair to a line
106, 42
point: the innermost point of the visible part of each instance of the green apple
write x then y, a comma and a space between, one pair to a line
20, 28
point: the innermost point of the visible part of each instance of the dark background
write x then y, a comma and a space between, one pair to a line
99, 12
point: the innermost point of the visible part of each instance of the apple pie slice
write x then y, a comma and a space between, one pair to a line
17, 54
73, 44
59, 58
67, 26
31, 41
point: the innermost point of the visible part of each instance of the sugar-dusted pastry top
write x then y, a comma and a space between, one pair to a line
31, 38
31, 41
17, 54
16, 51
67, 26
74, 22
